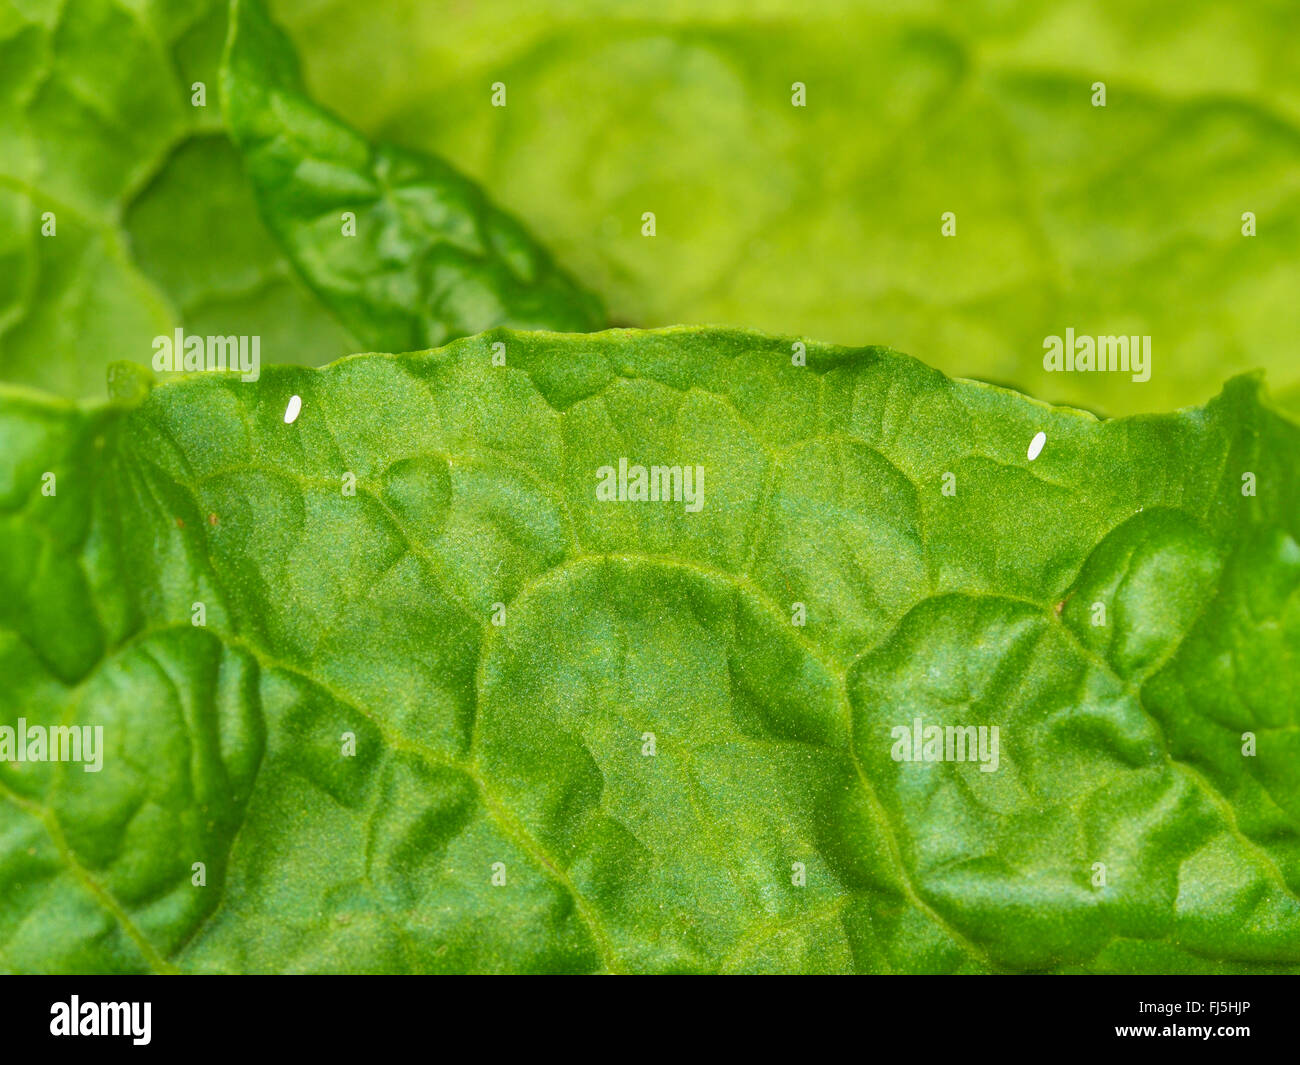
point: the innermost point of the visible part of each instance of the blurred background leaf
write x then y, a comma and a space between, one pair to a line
822, 221
155, 226
825, 220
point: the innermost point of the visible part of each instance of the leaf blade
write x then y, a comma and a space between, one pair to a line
429, 258
522, 744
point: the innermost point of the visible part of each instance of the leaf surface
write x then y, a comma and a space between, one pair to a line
372, 615
151, 223
407, 251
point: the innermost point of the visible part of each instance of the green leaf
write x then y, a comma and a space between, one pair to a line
371, 615
825, 220
112, 187
407, 251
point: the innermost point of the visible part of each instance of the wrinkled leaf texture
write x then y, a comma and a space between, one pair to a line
372, 614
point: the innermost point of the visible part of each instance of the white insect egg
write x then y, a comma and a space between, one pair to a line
1035, 445
295, 405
